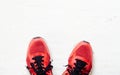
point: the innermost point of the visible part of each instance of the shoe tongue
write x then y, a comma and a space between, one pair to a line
80, 64
80, 58
73, 61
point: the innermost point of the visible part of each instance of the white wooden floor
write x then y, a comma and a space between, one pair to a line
63, 24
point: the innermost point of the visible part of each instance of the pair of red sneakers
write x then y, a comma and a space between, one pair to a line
38, 59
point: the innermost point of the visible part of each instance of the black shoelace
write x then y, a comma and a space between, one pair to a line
38, 66
77, 70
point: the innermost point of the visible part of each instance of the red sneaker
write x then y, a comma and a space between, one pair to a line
80, 60
38, 58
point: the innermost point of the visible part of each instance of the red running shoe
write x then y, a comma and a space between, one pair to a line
38, 58
80, 60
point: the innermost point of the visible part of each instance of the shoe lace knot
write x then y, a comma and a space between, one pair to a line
38, 66
78, 69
